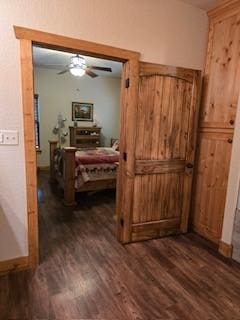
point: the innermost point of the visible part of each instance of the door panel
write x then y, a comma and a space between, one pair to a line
164, 106
222, 74
158, 197
210, 190
165, 143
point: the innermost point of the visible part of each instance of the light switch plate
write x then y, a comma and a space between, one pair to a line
9, 137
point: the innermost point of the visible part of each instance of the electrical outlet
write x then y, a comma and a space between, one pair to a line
8, 137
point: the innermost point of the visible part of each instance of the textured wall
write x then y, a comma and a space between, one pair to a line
56, 94
236, 237
236, 232
164, 31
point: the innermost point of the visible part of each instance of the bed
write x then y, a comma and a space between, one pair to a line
79, 170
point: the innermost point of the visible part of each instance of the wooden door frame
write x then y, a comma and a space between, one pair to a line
29, 37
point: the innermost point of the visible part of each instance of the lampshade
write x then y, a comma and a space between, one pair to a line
77, 71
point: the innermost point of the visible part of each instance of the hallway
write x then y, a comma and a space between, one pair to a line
86, 274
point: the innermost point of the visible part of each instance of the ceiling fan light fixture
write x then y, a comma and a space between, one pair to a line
77, 71
78, 61
77, 66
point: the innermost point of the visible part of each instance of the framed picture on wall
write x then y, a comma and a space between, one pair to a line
82, 111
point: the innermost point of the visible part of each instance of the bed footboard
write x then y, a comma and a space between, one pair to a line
52, 148
69, 176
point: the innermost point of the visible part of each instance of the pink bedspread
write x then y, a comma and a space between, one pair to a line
98, 155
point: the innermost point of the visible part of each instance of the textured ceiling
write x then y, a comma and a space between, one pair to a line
58, 60
204, 4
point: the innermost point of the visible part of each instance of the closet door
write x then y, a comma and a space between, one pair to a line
214, 154
165, 137
217, 120
222, 73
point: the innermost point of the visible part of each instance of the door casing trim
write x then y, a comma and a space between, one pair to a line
28, 38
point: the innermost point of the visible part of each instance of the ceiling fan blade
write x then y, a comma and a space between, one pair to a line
64, 71
44, 65
101, 68
90, 73
53, 64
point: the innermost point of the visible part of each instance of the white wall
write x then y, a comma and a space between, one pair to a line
56, 94
163, 31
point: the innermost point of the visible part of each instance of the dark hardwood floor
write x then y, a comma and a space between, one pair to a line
86, 274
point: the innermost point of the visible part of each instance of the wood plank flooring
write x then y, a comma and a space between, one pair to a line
86, 274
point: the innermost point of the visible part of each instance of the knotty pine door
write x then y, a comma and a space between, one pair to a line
165, 133
217, 122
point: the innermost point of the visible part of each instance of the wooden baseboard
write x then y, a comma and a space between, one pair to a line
225, 249
14, 265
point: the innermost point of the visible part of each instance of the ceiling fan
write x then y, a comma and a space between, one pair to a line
78, 67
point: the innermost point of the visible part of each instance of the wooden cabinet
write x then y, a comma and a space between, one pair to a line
217, 120
214, 154
85, 137
222, 72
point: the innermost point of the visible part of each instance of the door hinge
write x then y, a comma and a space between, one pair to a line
127, 83
121, 222
125, 156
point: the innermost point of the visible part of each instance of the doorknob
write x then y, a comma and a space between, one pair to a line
189, 165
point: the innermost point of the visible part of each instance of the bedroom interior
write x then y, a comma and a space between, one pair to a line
128, 203
77, 105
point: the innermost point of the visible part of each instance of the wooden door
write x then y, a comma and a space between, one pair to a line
165, 135
222, 73
217, 122
213, 160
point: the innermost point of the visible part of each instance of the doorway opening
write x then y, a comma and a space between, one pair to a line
29, 38
77, 132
